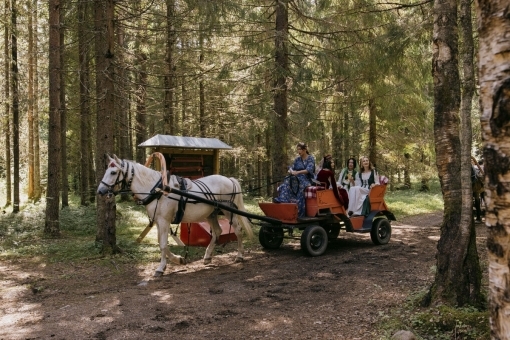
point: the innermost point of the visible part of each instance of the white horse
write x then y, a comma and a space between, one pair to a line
145, 183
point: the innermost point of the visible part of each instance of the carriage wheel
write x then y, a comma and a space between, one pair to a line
314, 240
270, 237
381, 231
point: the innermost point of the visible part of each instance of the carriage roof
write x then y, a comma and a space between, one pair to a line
167, 141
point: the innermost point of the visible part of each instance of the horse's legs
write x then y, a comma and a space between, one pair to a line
239, 234
163, 246
216, 233
165, 251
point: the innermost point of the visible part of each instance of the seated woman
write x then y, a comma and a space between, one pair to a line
365, 180
347, 175
327, 177
293, 187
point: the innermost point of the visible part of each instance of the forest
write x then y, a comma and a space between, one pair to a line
356, 80
395, 81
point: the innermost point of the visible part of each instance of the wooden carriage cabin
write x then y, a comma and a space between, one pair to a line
190, 157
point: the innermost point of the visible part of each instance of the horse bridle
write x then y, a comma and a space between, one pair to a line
126, 185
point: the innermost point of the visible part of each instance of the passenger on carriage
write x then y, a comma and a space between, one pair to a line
327, 177
293, 187
365, 180
346, 178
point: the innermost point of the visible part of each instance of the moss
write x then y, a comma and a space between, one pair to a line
459, 323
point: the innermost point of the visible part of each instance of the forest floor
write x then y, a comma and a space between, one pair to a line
279, 294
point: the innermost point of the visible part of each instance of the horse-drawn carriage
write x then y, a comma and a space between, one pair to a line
184, 200
325, 217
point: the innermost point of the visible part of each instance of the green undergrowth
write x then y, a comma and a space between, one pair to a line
21, 234
436, 323
412, 201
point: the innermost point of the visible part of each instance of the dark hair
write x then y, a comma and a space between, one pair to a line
303, 146
353, 161
327, 163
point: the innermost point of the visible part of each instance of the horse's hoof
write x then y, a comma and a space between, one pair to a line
179, 260
158, 273
207, 260
239, 259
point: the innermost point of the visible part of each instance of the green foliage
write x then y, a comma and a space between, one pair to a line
412, 202
21, 235
439, 323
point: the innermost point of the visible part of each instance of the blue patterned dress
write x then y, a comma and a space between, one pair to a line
293, 188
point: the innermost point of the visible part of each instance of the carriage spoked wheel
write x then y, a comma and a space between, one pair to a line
270, 237
381, 231
314, 240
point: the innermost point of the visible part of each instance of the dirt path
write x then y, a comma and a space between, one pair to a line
278, 294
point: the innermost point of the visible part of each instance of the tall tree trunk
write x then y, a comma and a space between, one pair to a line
494, 79
30, 95
63, 113
346, 140
141, 118
123, 105
269, 178
184, 107
7, 117
121, 94
52, 222
452, 280
105, 141
83, 61
15, 104
372, 131
37, 156
92, 171
169, 120
201, 94
473, 272
407, 170
279, 117
259, 164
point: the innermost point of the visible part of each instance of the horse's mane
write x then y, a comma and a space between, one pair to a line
146, 176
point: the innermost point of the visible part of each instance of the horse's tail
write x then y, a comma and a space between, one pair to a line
238, 200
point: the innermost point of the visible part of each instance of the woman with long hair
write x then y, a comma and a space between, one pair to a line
364, 180
327, 177
301, 174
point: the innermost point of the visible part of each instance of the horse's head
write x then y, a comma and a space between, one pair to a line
113, 176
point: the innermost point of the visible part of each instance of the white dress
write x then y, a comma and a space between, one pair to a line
359, 191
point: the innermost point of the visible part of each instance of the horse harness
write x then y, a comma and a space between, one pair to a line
205, 190
155, 194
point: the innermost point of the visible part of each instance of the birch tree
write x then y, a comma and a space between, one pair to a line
457, 279
494, 78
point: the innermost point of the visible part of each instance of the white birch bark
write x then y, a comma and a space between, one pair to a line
494, 75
